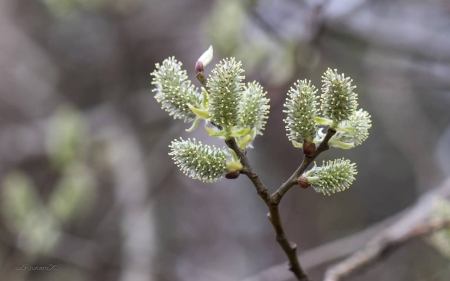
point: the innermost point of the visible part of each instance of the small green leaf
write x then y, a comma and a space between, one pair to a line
199, 112
323, 121
246, 140
297, 144
194, 125
341, 144
205, 98
215, 133
240, 132
357, 130
347, 129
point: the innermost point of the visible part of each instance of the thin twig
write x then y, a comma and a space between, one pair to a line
272, 202
274, 215
248, 171
381, 247
276, 197
289, 247
201, 77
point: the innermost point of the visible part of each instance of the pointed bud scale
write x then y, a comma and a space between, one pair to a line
174, 91
309, 149
303, 182
232, 175
198, 67
301, 108
332, 176
225, 88
199, 161
338, 101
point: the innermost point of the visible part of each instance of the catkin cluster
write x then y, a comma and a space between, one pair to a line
233, 109
229, 107
305, 124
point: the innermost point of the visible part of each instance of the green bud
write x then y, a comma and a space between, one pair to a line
338, 101
333, 176
174, 91
359, 123
254, 107
203, 162
225, 92
301, 109
246, 140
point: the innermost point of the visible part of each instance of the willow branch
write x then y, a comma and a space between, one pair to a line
276, 197
201, 77
248, 171
288, 247
272, 201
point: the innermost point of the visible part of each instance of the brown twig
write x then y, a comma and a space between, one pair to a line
272, 201
201, 77
381, 247
276, 197
248, 171
274, 215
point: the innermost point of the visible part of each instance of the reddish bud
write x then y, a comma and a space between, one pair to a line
232, 175
198, 67
303, 182
309, 149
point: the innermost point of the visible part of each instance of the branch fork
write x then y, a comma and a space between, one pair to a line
272, 201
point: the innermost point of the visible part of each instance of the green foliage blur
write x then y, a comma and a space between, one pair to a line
39, 222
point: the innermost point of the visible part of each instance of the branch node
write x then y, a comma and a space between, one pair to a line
279, 238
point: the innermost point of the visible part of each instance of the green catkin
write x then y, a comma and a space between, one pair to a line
301, 108
225, 92
174, 91
338, 101
199, 161
254, 108
360, 123
332, 176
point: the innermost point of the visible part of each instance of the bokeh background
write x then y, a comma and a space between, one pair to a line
86, 182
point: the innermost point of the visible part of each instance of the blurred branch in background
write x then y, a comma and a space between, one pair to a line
127, 171
418, 220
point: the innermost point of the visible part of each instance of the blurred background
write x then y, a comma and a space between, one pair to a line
87, 186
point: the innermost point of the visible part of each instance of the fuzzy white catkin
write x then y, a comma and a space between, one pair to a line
338, 101
254, 107
174, 91
301, 108
199, 161
360, 122
333, 176
225, 92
